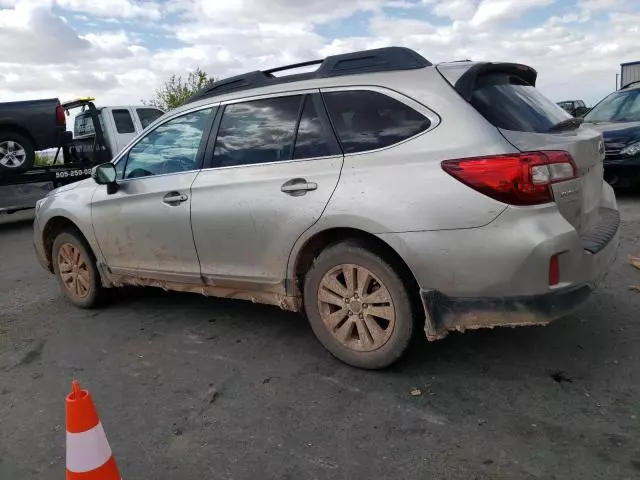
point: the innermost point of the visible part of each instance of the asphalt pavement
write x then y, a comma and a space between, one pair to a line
191, 387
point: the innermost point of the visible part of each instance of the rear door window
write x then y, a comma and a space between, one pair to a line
123, 121
366, 120
148, 115
311, 140
509, 102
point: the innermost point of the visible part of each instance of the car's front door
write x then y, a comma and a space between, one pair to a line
272, 170
144, 228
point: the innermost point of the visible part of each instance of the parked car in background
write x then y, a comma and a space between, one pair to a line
617, 116
380, 194
575, 108
26, 127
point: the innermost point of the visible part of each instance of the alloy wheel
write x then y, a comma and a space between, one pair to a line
74, 270
356, 307
12, 154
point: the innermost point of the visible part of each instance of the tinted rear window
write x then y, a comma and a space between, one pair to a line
509, 102
366, 120
83, 125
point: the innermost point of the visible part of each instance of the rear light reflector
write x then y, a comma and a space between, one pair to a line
554, 271
516, 179
60, 118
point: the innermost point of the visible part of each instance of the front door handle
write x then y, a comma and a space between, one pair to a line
174, 198
298, 186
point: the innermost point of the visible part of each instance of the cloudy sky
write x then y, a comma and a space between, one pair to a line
121, 50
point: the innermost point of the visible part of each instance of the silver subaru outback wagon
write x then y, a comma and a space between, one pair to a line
379, 194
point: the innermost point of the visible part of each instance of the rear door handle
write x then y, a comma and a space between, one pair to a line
298, 186
174, 198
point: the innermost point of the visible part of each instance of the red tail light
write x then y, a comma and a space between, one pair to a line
516, 179
61, 120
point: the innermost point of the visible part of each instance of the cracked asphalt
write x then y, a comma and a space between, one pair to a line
191, 387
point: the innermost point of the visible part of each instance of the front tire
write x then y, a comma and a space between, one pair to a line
76, 271
16, 152
358, 306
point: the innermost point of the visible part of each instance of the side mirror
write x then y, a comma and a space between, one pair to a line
105, 174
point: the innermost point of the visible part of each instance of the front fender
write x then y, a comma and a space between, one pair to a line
73, 205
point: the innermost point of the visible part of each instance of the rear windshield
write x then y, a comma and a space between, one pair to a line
509, 102
83, 124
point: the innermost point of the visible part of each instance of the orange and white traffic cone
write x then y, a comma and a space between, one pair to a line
88, 453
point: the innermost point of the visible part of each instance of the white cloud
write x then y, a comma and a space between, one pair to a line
495, 10
32, 34
455, 9
114, 8
232, 12
44, 56
598, 4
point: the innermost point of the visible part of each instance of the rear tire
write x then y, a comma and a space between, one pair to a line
358, 306
76, 271
16, 152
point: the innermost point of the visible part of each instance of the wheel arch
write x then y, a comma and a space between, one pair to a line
311, 248
54, 227
13, 128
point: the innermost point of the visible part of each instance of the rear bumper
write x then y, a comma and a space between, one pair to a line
499, 274
445, 314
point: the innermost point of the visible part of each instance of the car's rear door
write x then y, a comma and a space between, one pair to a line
144, 228
270, 174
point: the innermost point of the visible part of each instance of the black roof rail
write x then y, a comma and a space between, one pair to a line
366, 61
293, 65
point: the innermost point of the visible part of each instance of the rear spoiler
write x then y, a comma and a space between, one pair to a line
467, 82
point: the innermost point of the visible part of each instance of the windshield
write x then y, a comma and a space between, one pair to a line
622, 106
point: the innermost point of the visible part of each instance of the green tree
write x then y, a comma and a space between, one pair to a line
177, 90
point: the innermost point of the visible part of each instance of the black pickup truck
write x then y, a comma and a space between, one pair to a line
26, 127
